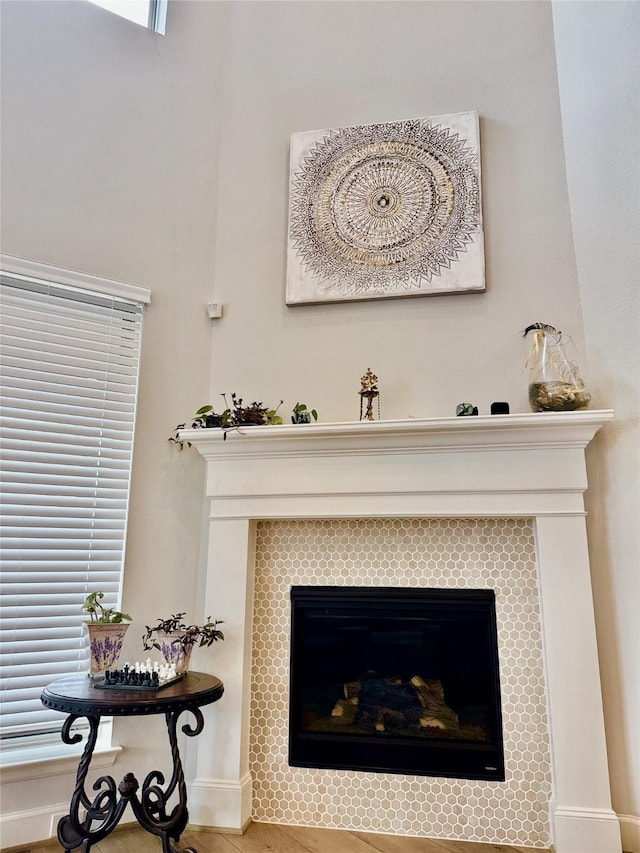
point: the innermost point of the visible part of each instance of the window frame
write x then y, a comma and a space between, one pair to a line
158, 16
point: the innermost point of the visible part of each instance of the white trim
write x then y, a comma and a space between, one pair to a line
630, 831
38, 756
548, 430
29, 770
585, 830
434, 467
32, 825
26, 268
221, 803
158, 16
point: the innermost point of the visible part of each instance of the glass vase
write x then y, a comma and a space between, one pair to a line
555, 383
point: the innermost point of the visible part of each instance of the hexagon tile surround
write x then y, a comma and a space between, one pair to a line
475, 553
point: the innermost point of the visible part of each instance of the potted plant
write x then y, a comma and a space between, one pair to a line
302, 415
231, 418
106, 628
175, 639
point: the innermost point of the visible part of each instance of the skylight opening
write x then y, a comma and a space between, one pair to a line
151, 14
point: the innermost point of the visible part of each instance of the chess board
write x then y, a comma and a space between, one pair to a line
124, 679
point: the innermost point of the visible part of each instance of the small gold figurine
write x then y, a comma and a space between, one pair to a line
369, 391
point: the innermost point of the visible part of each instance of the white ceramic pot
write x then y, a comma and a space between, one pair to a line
105, 645
174, 651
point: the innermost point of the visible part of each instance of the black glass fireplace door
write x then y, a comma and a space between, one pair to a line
395, 681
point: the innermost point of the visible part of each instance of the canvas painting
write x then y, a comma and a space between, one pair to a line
385, 210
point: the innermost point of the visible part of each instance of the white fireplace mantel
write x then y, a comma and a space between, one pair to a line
527, 465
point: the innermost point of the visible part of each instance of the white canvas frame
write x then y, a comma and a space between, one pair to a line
386, 210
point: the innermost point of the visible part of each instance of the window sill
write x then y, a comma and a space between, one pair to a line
25, 763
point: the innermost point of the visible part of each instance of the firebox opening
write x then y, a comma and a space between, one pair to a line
395, 680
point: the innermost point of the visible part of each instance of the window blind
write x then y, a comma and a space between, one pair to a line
69, 366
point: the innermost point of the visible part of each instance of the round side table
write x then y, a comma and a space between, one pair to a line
79, 696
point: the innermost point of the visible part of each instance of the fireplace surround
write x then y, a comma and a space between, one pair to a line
409, 554
511, 466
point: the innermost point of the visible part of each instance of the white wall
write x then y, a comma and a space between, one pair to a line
598, 45
164, 162
303, 66
109, 147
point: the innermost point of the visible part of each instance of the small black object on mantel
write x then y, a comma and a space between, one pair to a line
499, 408
464, 410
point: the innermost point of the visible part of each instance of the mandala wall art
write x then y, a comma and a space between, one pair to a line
385, 210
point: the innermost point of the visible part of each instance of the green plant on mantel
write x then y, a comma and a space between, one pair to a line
238, 415
302, 415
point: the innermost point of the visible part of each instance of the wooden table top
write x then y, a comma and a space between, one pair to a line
78, 694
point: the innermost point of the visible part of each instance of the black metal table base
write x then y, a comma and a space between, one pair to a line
91, 820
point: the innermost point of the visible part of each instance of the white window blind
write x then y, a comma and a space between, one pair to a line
69, 360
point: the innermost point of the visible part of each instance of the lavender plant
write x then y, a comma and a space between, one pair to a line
105, 651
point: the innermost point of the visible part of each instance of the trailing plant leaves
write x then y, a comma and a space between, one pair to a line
238, 415
201, 635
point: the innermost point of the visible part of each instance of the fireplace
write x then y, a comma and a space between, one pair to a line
527, 470
395, 681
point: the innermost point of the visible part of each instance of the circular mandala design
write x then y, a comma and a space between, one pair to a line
384, 205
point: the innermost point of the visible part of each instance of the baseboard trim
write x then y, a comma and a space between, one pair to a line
630, 831
37, 827
25, 827
578, 830
227, 830
217, 803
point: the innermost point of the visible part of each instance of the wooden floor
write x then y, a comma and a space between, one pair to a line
269, 838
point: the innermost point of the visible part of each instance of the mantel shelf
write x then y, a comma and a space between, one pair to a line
546, 429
